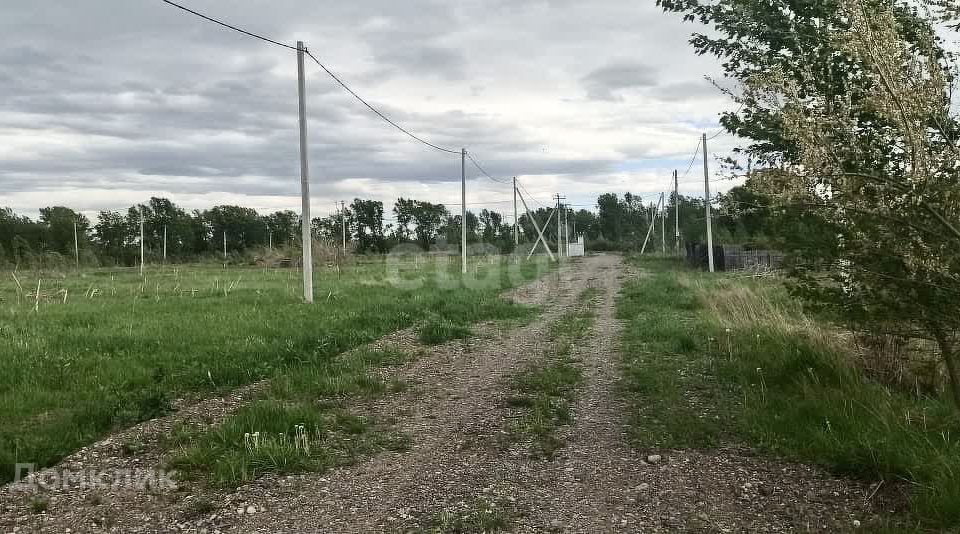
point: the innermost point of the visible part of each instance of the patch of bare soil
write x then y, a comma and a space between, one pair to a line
458, 476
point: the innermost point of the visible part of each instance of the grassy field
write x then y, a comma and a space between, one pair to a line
103, 349
718, 359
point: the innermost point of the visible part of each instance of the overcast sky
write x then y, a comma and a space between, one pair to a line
104, 104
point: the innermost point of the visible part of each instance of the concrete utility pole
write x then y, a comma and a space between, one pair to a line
663, 224
142, 255
306, 234
559, 231
652, 216
164, 244
516, 229
706, 202
224, 246
76, 244
463, 210
676, 216
343, 225
651, 227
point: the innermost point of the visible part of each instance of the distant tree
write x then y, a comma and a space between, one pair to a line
58, 225
585, 222
243, 227
281, 227
403, 211
112, 237
368, 225
428, 218
19, 236
611, 217
21, 251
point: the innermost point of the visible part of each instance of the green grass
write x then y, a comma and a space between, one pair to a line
301, 424
479, 517
277, 437
122, 347
712, 360
437, 330
544, 392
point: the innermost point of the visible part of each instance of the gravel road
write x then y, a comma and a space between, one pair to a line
458, 467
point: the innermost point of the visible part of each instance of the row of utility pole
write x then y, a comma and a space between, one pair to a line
307, 260
305, 190
660, 210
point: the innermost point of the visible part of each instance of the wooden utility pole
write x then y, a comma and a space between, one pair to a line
706, 202
306, 234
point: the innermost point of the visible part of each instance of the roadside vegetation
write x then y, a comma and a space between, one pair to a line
478, 517
99, 350
712, 360
543, 394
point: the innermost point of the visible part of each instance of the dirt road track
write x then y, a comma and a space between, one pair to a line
456, 417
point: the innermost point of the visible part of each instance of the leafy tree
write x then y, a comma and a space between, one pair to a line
368, 225
243, 227
16, 235
585, 222
428, 218
281, 227
847, 102
58, 225
112, 238
404, 212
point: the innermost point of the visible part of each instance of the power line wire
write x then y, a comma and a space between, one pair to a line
230, 26
724, 130
375, 110
477, 165
696, 152
530, 195
322, 66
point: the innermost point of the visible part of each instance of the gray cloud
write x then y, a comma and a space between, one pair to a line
687, 90
608, 82
140, 97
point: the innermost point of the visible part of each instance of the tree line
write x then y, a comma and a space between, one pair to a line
619, 223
